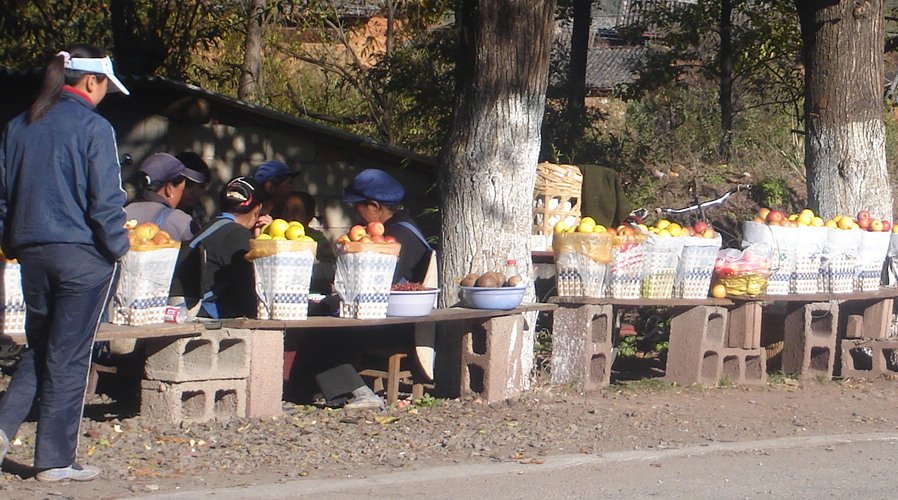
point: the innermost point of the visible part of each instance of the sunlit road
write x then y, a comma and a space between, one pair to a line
853, 466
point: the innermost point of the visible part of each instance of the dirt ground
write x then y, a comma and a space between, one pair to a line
140, 457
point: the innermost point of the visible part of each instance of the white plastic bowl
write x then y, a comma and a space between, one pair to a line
500, 298
412, 303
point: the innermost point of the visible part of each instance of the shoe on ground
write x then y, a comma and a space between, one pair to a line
372, 402
4, 446
74, 472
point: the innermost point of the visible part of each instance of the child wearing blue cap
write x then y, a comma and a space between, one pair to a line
275, 179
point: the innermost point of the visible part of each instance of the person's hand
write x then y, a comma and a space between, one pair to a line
261, 222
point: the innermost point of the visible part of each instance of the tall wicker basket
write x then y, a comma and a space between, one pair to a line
556, 196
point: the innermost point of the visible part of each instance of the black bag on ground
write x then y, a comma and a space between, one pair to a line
338, 383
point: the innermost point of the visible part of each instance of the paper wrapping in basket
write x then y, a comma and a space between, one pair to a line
837, 261
784, 241
625, 273
364, 277
143, 286
872, 250
696, 267
581, 263
662, 255
283, 271
809, 246
13, 317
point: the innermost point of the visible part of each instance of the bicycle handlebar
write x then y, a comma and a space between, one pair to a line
705, 204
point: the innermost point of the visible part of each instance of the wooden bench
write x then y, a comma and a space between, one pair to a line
479, 351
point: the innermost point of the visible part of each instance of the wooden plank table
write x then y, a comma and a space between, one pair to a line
108, 331
479, 351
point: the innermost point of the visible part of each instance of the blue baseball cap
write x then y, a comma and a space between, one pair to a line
374, 184
272, 169
161, 168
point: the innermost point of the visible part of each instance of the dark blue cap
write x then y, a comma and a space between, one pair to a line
161, 168
374, 184
272, 169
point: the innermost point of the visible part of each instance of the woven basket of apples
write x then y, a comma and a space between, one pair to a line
282, 257
366, 260
142, 292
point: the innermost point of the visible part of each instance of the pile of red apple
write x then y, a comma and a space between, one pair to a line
372, 233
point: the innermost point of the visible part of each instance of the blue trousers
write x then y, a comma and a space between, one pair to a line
66, 287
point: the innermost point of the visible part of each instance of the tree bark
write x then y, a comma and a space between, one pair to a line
576, 81
726, 79
487, 167
842, 42
251, 76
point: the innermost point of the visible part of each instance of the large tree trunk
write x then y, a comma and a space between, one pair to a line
576, 81
251, 76
845, 138
488, 163
487, 167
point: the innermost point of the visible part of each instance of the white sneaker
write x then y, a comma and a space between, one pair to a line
372, 402
75, 472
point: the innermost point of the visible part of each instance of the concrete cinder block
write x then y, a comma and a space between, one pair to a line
265, 385
202, 401
811, 332
581, 345
869, 358
744, 326
491, 358
697, 338
745, 366
867, 320
216, 354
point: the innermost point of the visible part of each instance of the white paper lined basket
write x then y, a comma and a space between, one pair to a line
363, 280
142, 292
625, 273
13, 314
696, 267
282, 284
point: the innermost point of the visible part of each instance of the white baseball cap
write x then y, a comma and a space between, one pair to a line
97, 65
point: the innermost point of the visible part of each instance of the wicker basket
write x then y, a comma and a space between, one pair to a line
556, 196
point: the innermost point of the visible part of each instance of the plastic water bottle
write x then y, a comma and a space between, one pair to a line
176, 314
511, 268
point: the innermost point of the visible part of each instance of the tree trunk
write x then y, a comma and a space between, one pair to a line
576, 81
487, 167
251, 76
842, 45
726, 79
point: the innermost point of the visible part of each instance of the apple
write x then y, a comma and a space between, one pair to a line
344, 238
624, 230
775, 216
863, 215
759, 219
357, 232
763, 212
876, 225
709, 232
376, 228
146, 230
365, 239
389, 239
377, 238
700, 226
864, 223
886, 226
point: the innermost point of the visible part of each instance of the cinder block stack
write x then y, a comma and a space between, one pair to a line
578, 356
204, 378
866, 350
491, 358
810, 339
708, 345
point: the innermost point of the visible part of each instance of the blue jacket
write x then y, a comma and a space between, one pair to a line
60, 181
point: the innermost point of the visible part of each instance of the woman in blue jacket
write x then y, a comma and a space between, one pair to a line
61, 216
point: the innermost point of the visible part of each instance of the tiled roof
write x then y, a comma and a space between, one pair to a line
607, 67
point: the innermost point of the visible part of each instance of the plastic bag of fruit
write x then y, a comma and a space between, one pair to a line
283, 271
744, 272
784, 241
